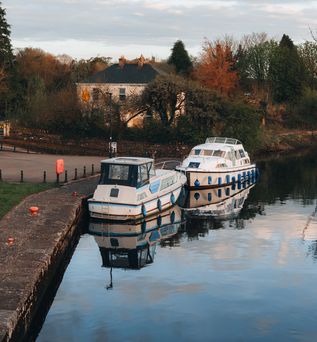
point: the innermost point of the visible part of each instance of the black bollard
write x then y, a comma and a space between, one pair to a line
0, 175
65, 181
92, 169
21, 180
14, 148
75, 178
44, 177
84, 175
57, 178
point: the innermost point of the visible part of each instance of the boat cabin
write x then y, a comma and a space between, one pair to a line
133, 172
226, 148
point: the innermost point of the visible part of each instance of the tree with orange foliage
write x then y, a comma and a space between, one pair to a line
215, 68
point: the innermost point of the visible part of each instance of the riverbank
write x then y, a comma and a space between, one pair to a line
32, 248
12, 194
272, 142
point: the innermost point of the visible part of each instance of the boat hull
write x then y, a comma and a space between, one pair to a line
200, 179
131, 211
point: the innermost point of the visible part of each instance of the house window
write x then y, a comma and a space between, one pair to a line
122, 94
95, 94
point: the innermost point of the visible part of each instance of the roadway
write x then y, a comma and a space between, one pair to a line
34, 165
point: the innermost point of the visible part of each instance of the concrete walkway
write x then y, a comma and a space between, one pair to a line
32, 248
34, 165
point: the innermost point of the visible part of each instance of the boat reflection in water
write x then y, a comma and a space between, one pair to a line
222, 203
132, 245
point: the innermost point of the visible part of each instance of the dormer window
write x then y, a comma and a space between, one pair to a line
122, 94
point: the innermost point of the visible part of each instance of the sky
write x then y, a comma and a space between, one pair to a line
112, 28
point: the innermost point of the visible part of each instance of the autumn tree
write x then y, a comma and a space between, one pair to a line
180, 59
215, 68
286, 72
37, 63
82, 69
164, 97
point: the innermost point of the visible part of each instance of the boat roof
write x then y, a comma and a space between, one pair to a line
223, 140
127, 160
215, 146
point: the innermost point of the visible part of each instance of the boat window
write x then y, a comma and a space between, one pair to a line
118, 174
208, 152
143, 175
219, 153
242, 154
237, 154
151, 170
195, 152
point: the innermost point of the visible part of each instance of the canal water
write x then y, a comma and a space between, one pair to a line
240, 265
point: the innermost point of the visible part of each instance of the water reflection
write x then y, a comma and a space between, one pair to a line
218, 203
250, 266
133, 244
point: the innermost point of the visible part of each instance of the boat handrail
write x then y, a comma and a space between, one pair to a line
174, 163
223, 140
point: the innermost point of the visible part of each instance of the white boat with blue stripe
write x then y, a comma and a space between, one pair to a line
131, 188
218, 162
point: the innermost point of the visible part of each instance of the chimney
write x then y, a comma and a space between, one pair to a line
141, 61
122, 61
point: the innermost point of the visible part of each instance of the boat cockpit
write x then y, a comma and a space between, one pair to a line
120, 172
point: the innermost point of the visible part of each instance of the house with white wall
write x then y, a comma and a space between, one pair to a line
121, 80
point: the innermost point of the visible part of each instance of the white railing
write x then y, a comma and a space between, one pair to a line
222, 140
167, 164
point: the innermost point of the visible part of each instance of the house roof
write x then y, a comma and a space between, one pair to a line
127, 73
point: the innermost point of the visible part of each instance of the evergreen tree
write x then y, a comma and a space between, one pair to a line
286, 72
6, 59
6, 55
180, 59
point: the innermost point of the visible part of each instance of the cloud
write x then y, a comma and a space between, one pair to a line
150, 23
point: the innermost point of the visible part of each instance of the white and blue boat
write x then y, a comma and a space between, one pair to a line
218, 162
131, 189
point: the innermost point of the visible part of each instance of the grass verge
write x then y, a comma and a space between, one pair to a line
12, 194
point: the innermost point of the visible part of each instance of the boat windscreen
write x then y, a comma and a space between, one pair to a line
118, 174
